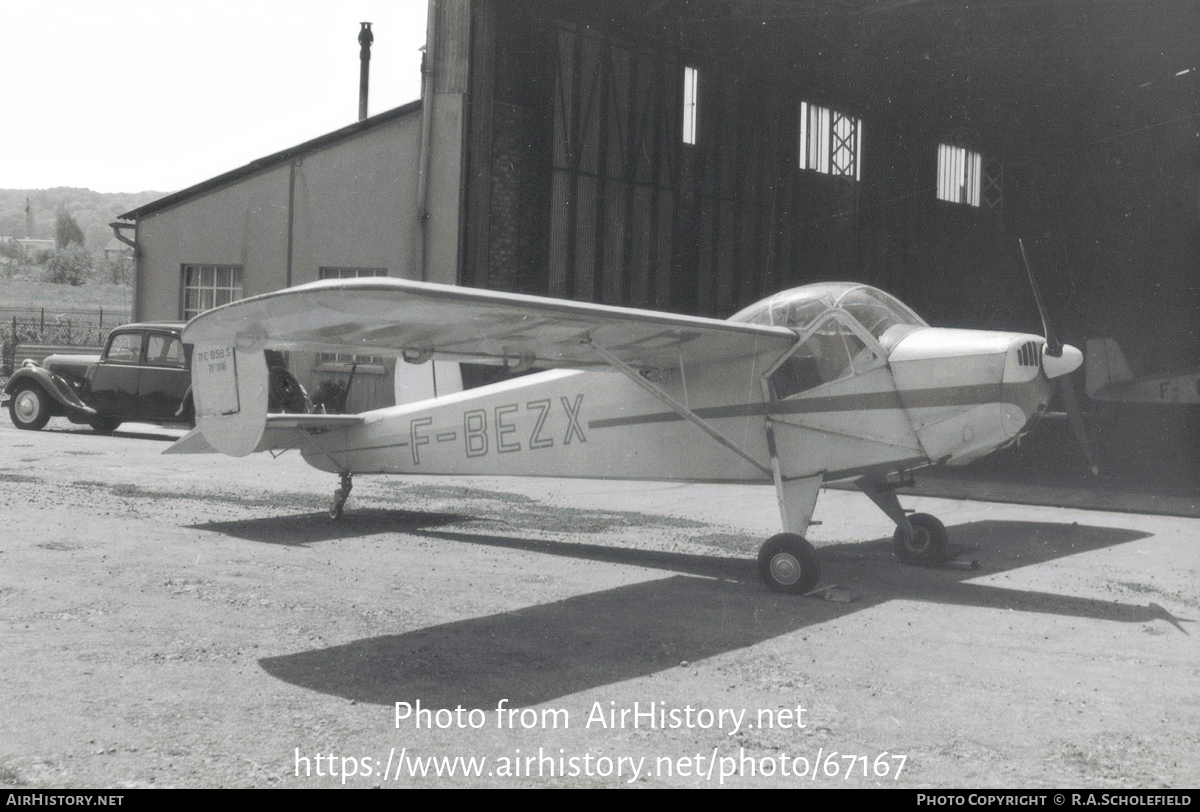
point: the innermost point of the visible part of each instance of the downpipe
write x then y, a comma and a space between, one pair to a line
427, 74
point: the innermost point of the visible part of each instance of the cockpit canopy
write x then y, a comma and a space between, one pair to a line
799, 307
833, 347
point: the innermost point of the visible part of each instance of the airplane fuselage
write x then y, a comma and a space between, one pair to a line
940, 396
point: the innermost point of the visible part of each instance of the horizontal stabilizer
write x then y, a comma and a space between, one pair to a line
283, 431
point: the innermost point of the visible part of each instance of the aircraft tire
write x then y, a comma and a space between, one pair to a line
787, 563
927, 546
29, 407
104, 425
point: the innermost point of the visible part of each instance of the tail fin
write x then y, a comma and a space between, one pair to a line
1105, 364
229, 388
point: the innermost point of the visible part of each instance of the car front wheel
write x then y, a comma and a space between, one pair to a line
29, 407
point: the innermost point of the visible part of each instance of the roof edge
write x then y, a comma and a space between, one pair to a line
271, 161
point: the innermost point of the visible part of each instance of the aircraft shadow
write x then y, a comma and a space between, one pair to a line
708, 606
132, 435
304, 529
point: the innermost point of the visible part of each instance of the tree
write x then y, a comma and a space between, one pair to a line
66, 230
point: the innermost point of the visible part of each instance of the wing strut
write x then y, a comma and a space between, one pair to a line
683, 411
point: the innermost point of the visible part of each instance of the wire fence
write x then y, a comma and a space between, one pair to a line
40, 325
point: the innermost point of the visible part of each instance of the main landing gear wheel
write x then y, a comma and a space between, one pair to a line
29, 408
788, 564
340, 496
927, 544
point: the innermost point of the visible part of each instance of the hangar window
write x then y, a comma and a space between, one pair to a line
691, 95
959, 174
335, 361
209, 286
830, 141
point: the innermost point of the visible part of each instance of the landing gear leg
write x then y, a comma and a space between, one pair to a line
920, 539
340, 496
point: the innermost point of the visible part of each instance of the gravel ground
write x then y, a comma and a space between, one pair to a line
199, 621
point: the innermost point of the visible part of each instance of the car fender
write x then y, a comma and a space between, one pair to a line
55, 388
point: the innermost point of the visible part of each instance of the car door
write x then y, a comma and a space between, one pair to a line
164, 377
114, 387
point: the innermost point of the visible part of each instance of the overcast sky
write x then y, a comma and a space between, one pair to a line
130, 96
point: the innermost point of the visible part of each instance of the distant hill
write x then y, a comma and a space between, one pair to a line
92, 210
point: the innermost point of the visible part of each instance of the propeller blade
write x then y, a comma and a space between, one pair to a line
1053, 345
1075, 417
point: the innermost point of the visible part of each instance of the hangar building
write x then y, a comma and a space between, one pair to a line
695, 155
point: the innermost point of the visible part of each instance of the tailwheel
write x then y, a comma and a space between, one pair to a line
340, 496
788, 564
926, 545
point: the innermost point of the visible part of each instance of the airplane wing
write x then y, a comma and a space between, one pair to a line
283, 431
388, 316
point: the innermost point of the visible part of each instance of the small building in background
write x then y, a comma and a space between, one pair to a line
115, 250
30, 247
337, 206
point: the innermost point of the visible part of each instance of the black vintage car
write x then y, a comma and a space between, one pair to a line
143, 375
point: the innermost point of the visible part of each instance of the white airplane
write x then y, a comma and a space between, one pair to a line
831, 381
1108, 377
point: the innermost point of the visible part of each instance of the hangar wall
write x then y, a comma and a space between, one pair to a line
578, 184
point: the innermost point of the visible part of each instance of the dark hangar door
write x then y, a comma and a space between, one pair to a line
615, 172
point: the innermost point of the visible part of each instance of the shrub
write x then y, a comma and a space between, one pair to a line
69, 266
11, 249
116, 271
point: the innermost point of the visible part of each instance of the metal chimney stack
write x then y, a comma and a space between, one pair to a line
365, 38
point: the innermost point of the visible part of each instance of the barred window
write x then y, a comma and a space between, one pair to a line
830, 141
959, 173
691, 95
338, 360
209, 286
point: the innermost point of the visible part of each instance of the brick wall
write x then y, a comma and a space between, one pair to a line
519, 203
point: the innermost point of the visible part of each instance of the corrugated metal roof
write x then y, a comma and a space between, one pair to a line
270, 161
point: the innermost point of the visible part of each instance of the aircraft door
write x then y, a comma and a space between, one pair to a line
829, 351
837, 384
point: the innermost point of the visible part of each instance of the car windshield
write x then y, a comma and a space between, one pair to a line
799, 307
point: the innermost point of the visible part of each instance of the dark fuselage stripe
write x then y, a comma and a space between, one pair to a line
913, 399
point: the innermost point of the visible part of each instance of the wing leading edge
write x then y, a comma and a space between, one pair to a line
388, 316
